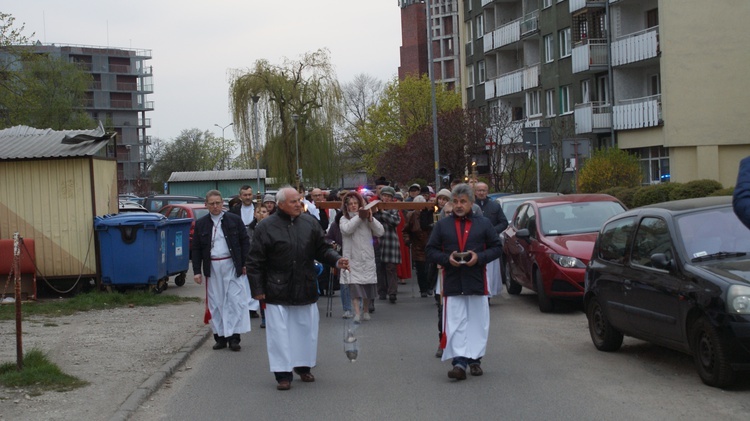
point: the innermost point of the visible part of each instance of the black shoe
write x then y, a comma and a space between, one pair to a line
253, 314
263, 323
457, 373
475, 370
220, 345
392, 298
423, 294
439, 353
234, 346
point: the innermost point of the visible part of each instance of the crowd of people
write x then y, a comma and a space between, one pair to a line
264, 256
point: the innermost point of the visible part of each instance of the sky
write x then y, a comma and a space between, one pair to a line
195, 44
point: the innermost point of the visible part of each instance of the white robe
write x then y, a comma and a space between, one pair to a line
292, 336
492, 272
228, 295
466, 322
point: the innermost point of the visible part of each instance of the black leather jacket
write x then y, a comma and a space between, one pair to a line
282, 259
237, 240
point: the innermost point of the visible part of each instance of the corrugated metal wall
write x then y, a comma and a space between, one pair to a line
51, 202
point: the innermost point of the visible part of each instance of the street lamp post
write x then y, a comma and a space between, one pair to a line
223, 146
256, 145
295, 117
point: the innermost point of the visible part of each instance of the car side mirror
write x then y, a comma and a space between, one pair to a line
523, 234
661, 261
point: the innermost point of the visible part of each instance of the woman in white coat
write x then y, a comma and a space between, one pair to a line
358, 228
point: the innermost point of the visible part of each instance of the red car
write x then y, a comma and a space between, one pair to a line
185, 210
549, 241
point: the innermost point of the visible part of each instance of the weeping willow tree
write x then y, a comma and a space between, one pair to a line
307, 88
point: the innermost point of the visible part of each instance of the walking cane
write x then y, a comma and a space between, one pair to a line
329, 305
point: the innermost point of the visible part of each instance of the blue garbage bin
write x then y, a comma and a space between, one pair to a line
132, 248
178, 248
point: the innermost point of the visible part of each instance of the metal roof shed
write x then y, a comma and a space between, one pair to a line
52, 185
228, 182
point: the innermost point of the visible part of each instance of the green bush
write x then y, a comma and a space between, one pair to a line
654, 193
623, 194
695, 188
611, 167
727, 191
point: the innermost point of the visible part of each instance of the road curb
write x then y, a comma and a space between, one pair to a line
152, 384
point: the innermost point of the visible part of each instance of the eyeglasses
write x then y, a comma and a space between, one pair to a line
215, 204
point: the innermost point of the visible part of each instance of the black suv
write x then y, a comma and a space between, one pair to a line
676, 274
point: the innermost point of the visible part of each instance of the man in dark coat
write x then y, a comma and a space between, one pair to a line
463, 244
219, 249
494, 212
282, 272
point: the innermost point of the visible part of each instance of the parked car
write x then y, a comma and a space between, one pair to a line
509, 203
129, 206
676, 274
155, 202
185, 210
130, 197
549, 241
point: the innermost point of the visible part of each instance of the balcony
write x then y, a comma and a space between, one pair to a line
502, 36
590, 55
591, 117
637, 113
576, 5
517, 81
119, 68
144, 122
530, 23
638, 46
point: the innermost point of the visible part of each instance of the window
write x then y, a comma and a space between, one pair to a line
654, 84
602, 89
563, 37
480, 68
480, 26
470, 37
652, 18
654, 164
565, 99
585, 91
652, 237
549, 97
546, 3
470, 75
613, 240
533, 108
549, 48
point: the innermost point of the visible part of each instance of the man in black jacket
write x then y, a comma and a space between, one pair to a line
494, 212
463, 244
282, 272
219, 249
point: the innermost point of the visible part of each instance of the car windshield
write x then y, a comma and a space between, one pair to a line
510, 206
577, 218
198, 213
713, 234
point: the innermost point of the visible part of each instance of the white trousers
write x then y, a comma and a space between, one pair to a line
466, 322
228, 298
292, 336
492, 272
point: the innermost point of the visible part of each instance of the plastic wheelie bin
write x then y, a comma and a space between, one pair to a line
132, 249
178, 249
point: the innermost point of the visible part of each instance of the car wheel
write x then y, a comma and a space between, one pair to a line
710, 353
545, 302
603, 334
513, 287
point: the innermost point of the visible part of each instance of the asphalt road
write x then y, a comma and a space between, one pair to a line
538, 366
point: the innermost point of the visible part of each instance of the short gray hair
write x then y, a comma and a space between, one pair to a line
463, 189
281, 194
212, 193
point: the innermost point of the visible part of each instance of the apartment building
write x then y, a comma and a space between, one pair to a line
661, 79
117, 98
445, 38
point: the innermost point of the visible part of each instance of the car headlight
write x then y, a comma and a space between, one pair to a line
567, 261
738, 299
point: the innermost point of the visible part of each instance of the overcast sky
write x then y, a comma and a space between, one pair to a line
195, 43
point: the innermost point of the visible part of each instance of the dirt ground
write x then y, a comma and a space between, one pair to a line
114, 350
